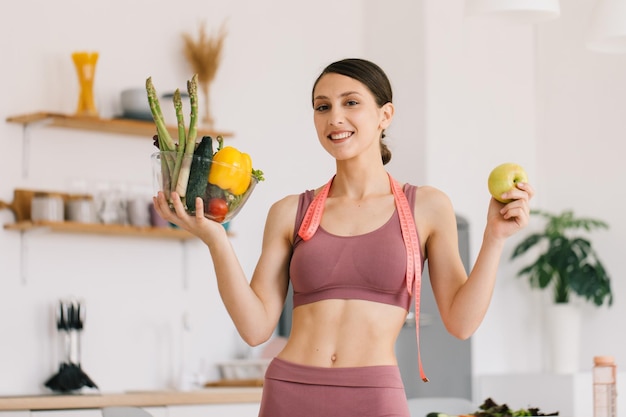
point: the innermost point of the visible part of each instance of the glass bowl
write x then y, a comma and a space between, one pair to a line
220, 204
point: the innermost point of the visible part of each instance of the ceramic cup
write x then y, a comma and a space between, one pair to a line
47, 208
82, 210
138, 212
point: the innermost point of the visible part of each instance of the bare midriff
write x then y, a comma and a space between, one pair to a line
344, 333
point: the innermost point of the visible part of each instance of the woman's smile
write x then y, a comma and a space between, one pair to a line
337, 136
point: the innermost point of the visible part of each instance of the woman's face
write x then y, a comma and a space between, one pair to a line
347, 119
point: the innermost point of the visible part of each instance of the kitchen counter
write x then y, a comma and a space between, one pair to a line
135, 399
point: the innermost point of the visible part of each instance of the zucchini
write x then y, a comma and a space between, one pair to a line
200, 166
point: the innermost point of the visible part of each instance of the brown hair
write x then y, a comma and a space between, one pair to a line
373, 77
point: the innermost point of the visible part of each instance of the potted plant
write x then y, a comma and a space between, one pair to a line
566, 262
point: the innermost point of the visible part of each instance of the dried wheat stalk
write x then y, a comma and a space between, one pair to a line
203, 55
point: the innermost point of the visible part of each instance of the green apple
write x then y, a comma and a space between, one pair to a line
504, 178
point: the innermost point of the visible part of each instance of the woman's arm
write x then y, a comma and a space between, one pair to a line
254, 306
463, 300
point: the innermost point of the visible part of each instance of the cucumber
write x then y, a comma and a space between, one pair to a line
200, 166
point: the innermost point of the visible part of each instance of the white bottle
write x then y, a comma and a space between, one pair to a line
604, 386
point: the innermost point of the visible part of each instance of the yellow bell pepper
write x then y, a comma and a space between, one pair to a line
234, 178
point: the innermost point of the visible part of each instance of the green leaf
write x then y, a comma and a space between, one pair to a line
526, 244
566, 262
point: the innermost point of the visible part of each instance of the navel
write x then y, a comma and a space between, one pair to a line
333, 358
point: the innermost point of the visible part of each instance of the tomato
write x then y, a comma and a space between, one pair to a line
217, 209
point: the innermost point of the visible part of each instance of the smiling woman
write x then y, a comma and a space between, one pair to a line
353, 251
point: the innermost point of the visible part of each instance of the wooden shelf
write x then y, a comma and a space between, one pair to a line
124, 126
102, 229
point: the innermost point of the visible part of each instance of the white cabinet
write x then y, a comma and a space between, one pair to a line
92, 412
215, 410
156, 411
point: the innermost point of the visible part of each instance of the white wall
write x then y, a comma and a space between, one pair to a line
467, 100
480, 113
534, 95
581, 131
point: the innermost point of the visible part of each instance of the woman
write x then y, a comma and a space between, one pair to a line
353, 255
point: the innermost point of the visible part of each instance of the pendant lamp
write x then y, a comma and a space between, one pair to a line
514, 11
607, 27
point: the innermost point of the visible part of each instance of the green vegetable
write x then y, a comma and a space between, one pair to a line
200, 166
177, 167
163, 136
492, 409
182, 137
165, 140
192, 89
190, 145
258, 174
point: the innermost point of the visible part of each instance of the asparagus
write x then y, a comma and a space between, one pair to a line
190, 145
176, 168
163, 136
178, 106
192, 89
165, 140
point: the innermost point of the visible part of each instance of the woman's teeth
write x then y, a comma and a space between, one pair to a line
340, 135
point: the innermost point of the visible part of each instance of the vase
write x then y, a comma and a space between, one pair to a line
207, 117
563, 328
85, 63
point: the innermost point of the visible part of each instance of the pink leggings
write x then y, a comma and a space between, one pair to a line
293, 390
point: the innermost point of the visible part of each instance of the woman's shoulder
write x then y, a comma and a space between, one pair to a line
431, 199
430, 191
287, 206
291, 201
282, 214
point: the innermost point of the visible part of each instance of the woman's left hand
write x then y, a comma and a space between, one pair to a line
504, 220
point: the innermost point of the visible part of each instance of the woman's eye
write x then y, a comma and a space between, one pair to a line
352, 103
321, 107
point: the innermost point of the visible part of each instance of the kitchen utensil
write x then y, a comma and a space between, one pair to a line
20, 205
70, 377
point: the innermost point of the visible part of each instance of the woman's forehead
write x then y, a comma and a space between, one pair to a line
332, 85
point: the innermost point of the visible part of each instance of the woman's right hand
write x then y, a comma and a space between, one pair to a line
197, 224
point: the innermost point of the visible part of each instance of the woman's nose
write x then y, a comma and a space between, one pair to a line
335, 117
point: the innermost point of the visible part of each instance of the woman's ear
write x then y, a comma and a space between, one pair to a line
387, 115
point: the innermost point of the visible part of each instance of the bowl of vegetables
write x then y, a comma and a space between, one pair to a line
223, 179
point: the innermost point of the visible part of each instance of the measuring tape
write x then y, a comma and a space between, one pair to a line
313, 217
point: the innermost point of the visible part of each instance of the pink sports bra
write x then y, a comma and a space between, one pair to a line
371, 266
326, 266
